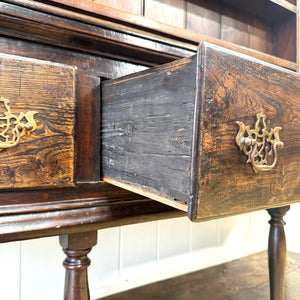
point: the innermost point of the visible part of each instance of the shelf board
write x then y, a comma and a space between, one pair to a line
245, 278
136, 25
267, 10
285, 4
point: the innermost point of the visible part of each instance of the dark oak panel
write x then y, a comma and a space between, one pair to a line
169, 133
204, 21
105, 43
80, 215
45, 156
234, 89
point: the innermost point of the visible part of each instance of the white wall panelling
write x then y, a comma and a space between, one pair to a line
134, 255
10, 261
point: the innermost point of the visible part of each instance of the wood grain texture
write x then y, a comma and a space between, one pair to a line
132, 6
260, 36
245, 278
88, 34
171, 12
76, 246
147, 126
46, 156
150, 143
285, 39
127, 37
235, 28
277, 254
236, 88
264, 11
204, 18
34, 213
79, 215
88, 116
90, 69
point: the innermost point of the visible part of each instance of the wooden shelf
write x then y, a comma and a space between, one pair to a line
266, 10
265, 29
245, 278
290, 5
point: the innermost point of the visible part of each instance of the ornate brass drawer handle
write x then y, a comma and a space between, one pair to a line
259, 144
23, 124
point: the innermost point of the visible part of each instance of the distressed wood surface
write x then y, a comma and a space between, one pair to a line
44, 157
27, 214
147, 133
236, 88
268, 12
101, 43
147, 126
245, 278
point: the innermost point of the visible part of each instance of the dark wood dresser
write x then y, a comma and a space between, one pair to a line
104, 109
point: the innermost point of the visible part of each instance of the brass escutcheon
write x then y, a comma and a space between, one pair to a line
259, 144
13, 127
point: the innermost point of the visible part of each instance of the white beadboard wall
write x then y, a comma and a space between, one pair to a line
134, 255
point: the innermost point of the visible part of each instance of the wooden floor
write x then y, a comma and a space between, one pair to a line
242, 279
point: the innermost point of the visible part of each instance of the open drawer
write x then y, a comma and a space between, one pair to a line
214, 134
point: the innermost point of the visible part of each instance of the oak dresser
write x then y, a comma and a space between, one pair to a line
110, 117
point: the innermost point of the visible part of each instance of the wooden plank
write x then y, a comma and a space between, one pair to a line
45, 157
245, 278
260, 36
287, 4
285, 39
151, 147
142, 26
88, 116
204, 18
172, 12
298, 36
132, 6
147, 135
234, 28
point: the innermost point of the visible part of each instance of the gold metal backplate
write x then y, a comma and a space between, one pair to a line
13, 127
259, 144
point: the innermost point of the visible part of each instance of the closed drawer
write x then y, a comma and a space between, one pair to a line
37, 115
178, 133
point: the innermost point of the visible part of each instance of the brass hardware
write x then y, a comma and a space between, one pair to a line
259, 144
24, 124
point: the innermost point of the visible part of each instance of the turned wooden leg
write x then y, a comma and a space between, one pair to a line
76, 246
277, 252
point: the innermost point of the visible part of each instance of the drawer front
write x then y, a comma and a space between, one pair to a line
169, 133
37, 116
235, 88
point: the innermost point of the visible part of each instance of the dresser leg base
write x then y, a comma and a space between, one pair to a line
76, 246
277, 252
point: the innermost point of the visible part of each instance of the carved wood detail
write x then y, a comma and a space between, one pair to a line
77, 246
277, 252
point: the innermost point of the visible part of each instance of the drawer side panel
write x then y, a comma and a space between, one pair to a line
147, 130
